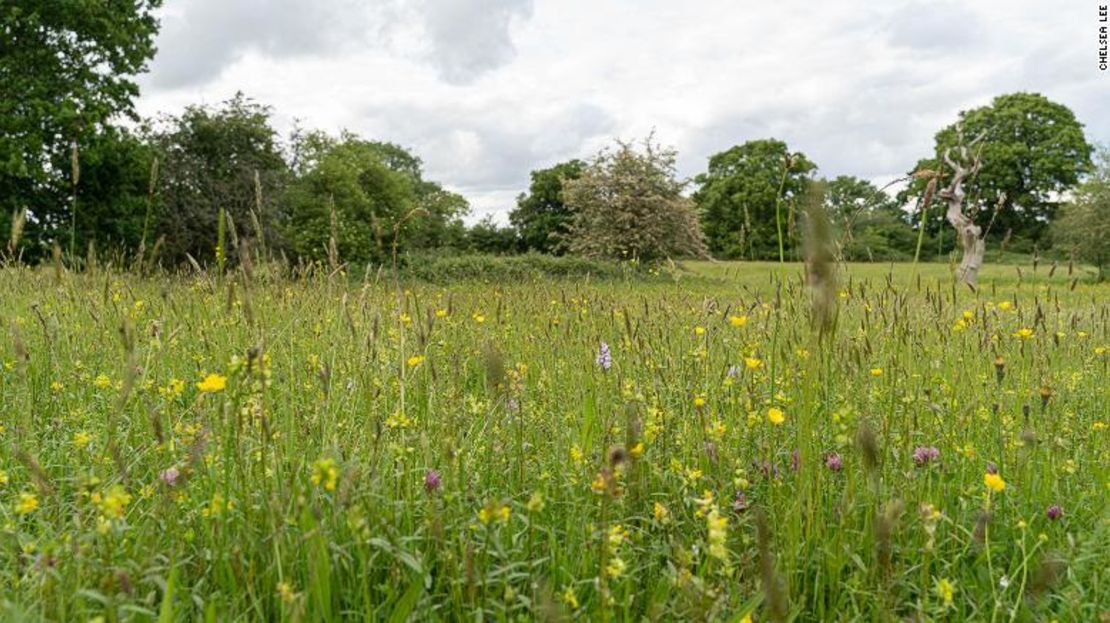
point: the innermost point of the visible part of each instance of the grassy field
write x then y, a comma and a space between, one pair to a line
685, 447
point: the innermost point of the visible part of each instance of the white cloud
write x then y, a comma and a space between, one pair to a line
486, 90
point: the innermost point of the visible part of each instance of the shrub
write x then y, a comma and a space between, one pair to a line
506, 269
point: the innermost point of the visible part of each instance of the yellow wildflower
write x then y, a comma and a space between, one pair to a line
285, 592
994, 482
535, 503
212, 383
570, 599
599, 483
494, 510
114, 502
217, 506
27, 503
738, 321
717, 527
660, 512
576, 454
945, 590
325, 473
616, 567
775, 416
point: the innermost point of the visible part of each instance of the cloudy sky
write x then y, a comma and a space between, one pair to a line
487, 90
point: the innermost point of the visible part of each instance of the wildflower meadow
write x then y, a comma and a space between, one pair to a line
685, 446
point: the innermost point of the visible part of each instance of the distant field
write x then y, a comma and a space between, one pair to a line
684, 447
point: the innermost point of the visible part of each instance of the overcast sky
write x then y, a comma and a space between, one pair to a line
487, 90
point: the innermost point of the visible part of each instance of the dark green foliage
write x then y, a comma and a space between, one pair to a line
441, 268
379, 198
485, 236
113, 193
1033, 149
66, 69
541, 215
112, 199
440, 225
868, 224
737, 197
209, 161
1083, 225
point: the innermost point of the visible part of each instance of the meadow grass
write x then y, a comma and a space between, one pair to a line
683, 447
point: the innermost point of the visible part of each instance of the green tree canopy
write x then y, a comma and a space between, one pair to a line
1033, 149
66, 69
868, 224
486, 236
375, 189
1083, 225
114, 196
541, 215
737, 197
211, 159
628, 204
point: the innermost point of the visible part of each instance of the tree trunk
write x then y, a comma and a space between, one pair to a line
969, 235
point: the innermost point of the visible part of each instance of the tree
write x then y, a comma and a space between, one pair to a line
66, 69
867, 223
440, 224
964, 166
376, 190
629, 205
742, 193
228, 158
1033, 150
541, 215
114, 193
1083, 225
486, 236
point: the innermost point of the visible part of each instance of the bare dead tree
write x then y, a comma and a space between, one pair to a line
970, 235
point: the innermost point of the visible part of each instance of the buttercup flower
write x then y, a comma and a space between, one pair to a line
27, 503
994, 482
212, 383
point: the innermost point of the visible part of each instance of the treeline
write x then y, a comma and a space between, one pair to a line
161, 188
1033, 156
158, 190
